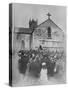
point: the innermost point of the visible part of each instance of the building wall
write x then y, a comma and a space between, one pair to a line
21, 42
40, 37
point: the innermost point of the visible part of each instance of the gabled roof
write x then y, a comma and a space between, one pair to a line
24, 31
47, 23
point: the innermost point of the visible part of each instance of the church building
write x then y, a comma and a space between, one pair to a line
47, 35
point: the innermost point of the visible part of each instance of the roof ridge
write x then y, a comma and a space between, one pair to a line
56, 24
42, 22
51, 21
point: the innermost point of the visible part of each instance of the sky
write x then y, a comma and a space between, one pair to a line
22, 13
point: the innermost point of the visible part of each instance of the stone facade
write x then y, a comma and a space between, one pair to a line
47, 34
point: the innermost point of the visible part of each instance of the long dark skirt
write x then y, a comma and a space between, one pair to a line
35, 68
50, 69
22, 65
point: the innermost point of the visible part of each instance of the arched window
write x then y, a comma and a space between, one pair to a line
49, 32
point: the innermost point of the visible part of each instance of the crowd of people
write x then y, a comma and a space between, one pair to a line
35, 60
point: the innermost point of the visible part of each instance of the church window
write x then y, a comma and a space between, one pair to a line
49, 32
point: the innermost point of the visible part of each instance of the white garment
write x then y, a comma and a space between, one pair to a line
43, 76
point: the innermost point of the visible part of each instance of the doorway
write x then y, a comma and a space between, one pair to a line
22, 45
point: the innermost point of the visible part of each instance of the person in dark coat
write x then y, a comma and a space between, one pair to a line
50, 68
22, 63
35, 67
